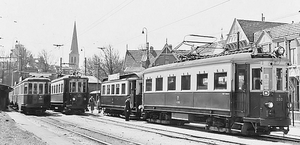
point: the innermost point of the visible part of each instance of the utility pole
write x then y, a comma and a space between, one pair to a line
85, 66
60, 59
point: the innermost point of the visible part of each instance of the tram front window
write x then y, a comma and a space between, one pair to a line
267, 79
279, 78
256, 79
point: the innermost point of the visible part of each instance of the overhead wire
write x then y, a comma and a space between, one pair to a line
179, 20
103, 18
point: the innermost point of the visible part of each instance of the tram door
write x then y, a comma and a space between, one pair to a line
241, 97
133, 93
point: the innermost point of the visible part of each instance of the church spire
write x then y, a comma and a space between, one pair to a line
74, 45
74, 55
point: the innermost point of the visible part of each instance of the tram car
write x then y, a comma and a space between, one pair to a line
238, 92
114, 91
69, 94
31, 95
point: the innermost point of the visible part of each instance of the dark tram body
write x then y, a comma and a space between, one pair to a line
69, 94
31, 95
234, 93
114, 92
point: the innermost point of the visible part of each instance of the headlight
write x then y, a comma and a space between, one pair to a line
73, 99
269, 105
266, 93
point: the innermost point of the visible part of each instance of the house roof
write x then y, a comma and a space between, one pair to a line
250, 27
134, 58
287, 30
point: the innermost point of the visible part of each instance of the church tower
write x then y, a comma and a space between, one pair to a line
74, 55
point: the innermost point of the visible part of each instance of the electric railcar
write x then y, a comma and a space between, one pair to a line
69, 94
115, 90
31, 95
236, 93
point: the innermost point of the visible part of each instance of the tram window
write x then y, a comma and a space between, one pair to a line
70, 87
59, 88
241, 80
159, 84
202, 81
267, 79
103, 89
35, 88
41, 89
22, 89
62, 87
108, 89
25, 88
113, 89
46, 88
29, 88
279, 78
256, 79
84, 87
286, 79
172, 83
186, 82
117, 88
148, 84
220, 81
73, 86
79, 87
123, 88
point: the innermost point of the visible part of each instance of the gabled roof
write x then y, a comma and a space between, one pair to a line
287, 30
250, 27
134, 58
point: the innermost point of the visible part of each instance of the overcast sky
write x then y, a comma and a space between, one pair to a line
38, 24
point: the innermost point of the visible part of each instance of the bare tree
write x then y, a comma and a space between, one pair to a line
24, 57
108, 62
44, 61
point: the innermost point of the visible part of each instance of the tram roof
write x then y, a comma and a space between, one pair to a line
69, 76
36, 79
238, 57
124, 77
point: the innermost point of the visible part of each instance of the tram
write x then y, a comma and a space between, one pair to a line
31, 95
69, 94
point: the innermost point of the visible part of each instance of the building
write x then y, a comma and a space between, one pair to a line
241, 34
288, 37
74, 54
166, 56
135, 60
94, 83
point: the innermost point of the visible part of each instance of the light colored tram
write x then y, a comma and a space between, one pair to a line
31, 95
243, 92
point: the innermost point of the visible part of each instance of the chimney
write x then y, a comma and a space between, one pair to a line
262, 17
170, 46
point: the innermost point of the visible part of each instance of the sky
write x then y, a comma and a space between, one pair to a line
38, 24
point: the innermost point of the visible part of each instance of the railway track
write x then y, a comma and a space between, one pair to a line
271, 138
276, 138
93, 135
167, 133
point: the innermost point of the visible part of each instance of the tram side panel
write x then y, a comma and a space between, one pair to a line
191, 103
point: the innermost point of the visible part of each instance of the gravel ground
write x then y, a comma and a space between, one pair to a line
11, 134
